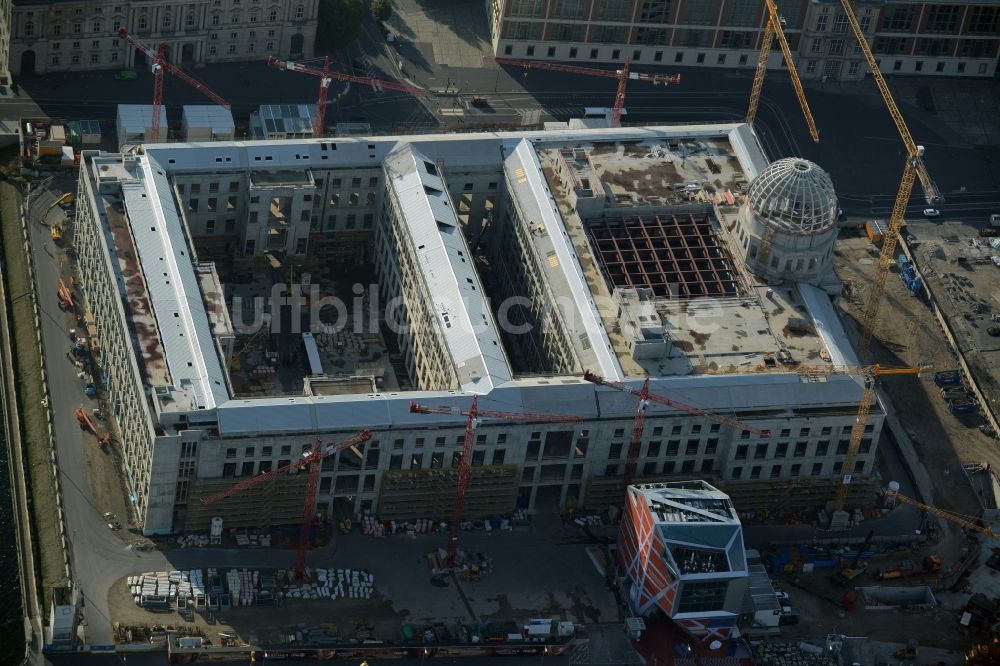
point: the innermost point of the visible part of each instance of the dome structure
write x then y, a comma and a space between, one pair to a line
788, 224
796, 195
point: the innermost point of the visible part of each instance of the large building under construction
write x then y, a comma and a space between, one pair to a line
249, 298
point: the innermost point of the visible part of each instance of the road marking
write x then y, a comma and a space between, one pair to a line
580, 653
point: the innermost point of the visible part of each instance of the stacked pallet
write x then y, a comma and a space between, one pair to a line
233, 585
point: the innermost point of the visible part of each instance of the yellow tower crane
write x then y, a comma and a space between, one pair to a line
968, 522
870, 373
773, 29
913, 169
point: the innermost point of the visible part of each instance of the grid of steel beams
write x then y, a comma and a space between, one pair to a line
674, 256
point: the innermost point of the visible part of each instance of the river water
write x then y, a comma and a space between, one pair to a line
11, 618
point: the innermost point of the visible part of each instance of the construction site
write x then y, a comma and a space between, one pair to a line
492, 393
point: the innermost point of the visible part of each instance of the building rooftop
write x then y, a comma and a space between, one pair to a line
721, 335
284, 119
446, 263
136, 118
699, 526
208, 116
650, 225
164, 299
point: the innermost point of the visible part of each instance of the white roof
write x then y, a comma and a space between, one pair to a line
450, 277
571, 396
173, 288
136, 118
211, 116
565, 276
828, 325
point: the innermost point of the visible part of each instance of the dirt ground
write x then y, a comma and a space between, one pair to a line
909, 335
813, 598
34, 419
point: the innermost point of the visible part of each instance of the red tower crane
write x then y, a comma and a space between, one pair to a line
645, 398
326, 76
623, 75
312, 459
472, 418
158, 62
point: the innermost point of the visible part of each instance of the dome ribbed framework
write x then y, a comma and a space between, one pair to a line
796, 195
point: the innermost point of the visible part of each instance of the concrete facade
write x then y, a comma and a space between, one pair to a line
56, 36
186, 430
916, 37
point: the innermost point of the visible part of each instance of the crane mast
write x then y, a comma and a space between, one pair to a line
914, 168
311, 459
473, 415
645, 399
158, 63
773, 29
871, 374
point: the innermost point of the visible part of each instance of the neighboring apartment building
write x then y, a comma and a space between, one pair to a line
948, 38
55, 36
4, 42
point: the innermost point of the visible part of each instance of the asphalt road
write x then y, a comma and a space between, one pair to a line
158, 658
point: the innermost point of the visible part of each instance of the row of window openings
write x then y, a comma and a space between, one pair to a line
397, 445
736, 474
652, 449
801, 449
117, 9
95, 58
651, 468
142, 22
508, 49
804, 432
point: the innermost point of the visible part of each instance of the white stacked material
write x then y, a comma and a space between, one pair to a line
192, 540
247, 581
233, 585
371, 526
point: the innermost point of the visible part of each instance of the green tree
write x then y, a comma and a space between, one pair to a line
339, 23
381, 10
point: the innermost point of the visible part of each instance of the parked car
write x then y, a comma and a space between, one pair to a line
931, 212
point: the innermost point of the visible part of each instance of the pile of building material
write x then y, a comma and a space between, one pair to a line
192, 540
242, 586
159, 589
769, 653
372, 526
253, 539
335, 584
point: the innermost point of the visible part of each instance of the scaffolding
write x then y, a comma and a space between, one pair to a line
430, 493
277, 502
